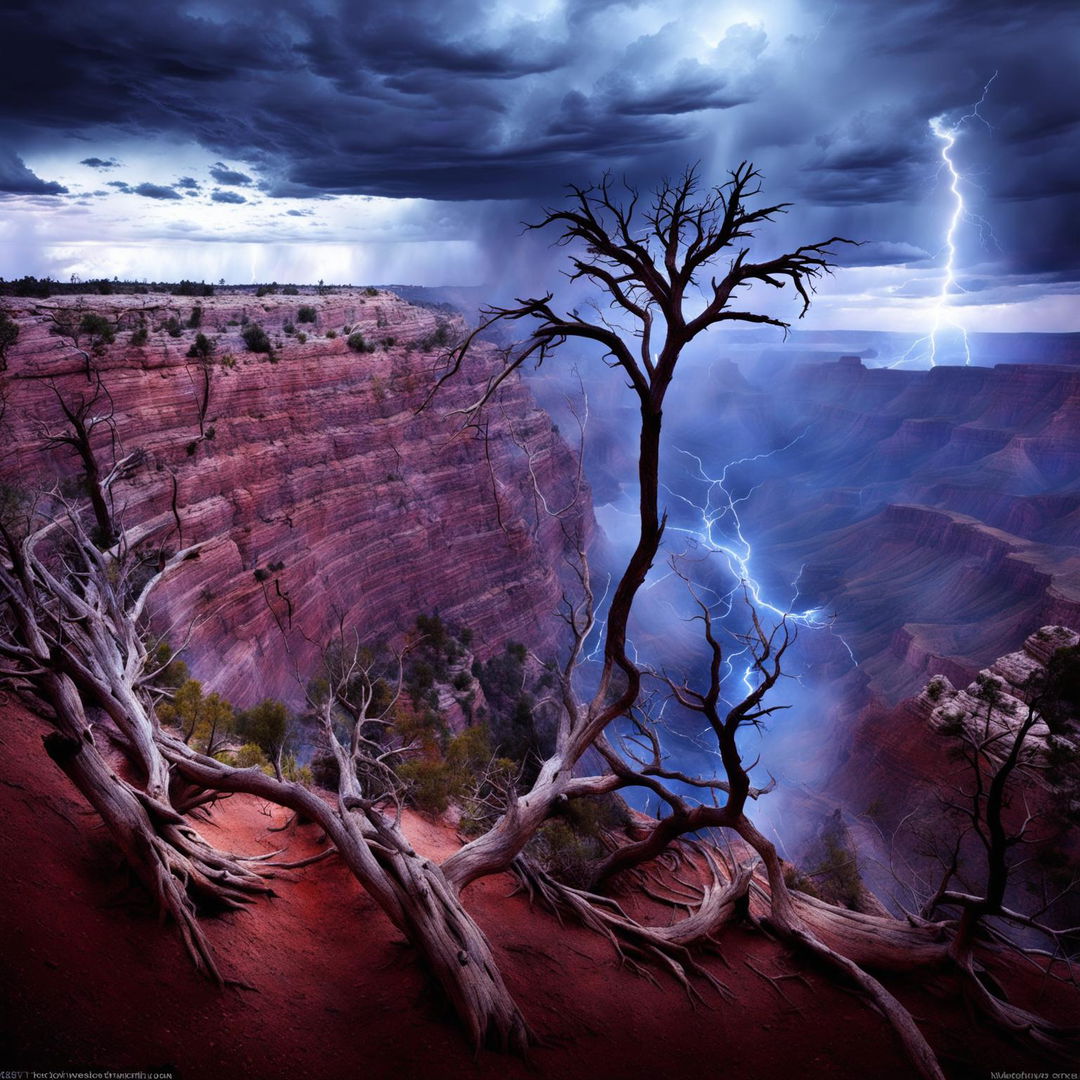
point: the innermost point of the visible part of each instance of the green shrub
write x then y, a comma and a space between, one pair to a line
306, 314
172, 327
195, 319
9, 334
202, 348
290, 290
139, 335
301, 337
358, 343
331, 333
255, 338
99, 329
250, 754
569, 845
430, 784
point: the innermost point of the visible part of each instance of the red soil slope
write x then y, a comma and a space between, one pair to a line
90, 980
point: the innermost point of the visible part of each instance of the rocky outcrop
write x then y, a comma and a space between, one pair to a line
902, 750
323, 495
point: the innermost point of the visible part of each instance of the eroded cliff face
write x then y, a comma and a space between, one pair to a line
323, 496
937, 513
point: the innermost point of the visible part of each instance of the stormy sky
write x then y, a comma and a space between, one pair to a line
405, 142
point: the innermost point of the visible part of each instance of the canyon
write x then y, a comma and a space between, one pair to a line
323, 496
933, 516
321, 487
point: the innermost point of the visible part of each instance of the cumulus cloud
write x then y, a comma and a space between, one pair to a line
224, 175
100, 163
220, 196
155, 191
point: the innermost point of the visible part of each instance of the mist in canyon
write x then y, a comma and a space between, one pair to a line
906, 521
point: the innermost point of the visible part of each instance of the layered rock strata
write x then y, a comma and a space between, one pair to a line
322, 493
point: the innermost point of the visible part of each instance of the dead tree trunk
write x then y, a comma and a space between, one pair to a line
409, 888
181, 872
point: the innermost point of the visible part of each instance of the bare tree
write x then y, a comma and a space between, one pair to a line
648, 262
70, 639
1008, 750
86, 414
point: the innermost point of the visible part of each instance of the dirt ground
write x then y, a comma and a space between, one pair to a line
90, 980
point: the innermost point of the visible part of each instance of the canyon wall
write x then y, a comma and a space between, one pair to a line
322, 494
935, 513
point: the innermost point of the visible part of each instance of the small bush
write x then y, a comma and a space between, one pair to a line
248, 755
358, 343
290, 290
255, 338
202, 348
331, 333
9, 334
431, 785
371, 291
306, 314
139, 335
288, 328
98, 327
301, 337
172, 327
195, 319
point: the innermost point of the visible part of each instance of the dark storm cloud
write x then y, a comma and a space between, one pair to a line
328, 99
155, 191
227, 197
224, 175
454, 100
884, 253
100, 163
17, 179
856, 121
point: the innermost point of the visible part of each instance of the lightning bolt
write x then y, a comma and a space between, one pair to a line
925, 349
720, 509
719, 529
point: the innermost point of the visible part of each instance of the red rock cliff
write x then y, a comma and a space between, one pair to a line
312, 468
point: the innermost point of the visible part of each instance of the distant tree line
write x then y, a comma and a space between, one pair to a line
41, 288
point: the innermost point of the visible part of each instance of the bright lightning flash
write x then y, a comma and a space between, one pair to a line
719, 529
926, 348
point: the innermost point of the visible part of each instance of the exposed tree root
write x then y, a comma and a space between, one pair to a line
410, 889
181, 871
311, 860
638, 945
1057, 1042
